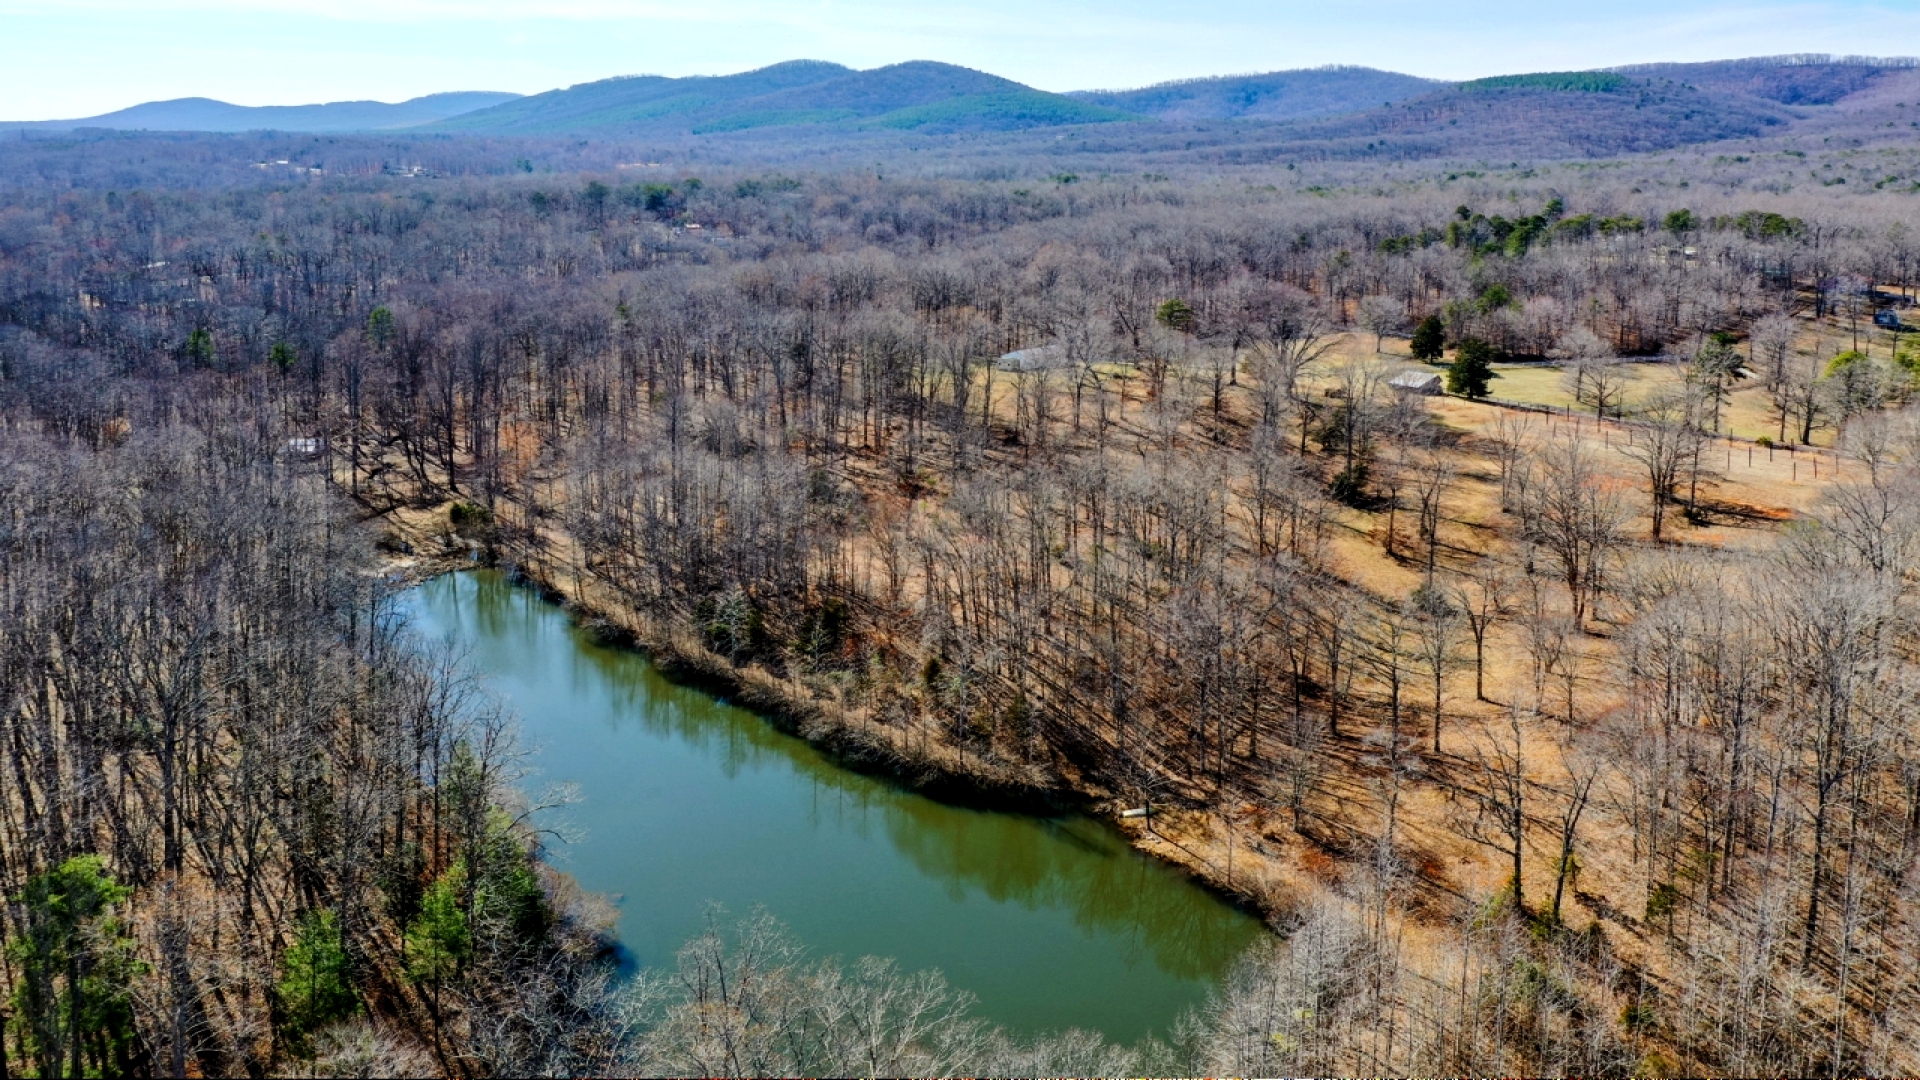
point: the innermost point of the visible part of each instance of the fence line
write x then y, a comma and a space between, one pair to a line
1566, 414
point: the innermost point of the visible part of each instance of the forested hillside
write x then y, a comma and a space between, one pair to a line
1811, 79
1277, 95
1563, 723
804, 94
806, 109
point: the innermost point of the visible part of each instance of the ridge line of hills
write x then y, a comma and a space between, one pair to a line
1352, 111
211, 115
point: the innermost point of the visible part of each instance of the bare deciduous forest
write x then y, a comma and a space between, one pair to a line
1558, 723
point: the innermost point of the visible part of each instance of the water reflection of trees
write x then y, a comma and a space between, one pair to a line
1080, 866
1142, 907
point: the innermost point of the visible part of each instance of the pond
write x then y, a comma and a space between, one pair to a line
1052, 922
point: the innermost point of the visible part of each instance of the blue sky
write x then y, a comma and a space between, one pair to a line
80, 57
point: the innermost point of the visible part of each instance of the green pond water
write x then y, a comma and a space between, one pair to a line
1051, 922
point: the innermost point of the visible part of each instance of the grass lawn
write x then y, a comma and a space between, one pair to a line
1747, 415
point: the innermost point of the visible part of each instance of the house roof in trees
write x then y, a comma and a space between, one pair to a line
1039, 358
1416, 382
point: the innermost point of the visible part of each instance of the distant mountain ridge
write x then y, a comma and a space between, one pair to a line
1590, 114
915, 94
1549, 115
638, 99
207, 114
1274, 95
1348, 112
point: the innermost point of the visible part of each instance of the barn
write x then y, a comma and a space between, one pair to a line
1426, 383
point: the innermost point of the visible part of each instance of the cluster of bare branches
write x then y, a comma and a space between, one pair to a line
203, 686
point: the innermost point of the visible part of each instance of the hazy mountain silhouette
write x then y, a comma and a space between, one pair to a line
206, 114
918, 93
639, 99
1348, 112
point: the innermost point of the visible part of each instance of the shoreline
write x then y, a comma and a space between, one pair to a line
853, 743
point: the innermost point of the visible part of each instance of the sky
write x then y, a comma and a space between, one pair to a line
75, 58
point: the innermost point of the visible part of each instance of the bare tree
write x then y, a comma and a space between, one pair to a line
1570, 800
1770, 341
1382, 315
1593, 376
1433, 475
1666, 439
1288, 334
1575, 513
1482, 597
1498, 793
1512, 437
1437, 630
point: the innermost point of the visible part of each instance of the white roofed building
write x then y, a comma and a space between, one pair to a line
1417, 382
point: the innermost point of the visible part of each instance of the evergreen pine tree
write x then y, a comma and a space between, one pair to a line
1471, 370
1429, 339
315, 989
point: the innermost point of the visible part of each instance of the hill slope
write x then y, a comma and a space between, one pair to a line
916, 94
1549, 115
1810, 79
207, 114
639, 100
1338, 112
1538, 116
1276, 95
